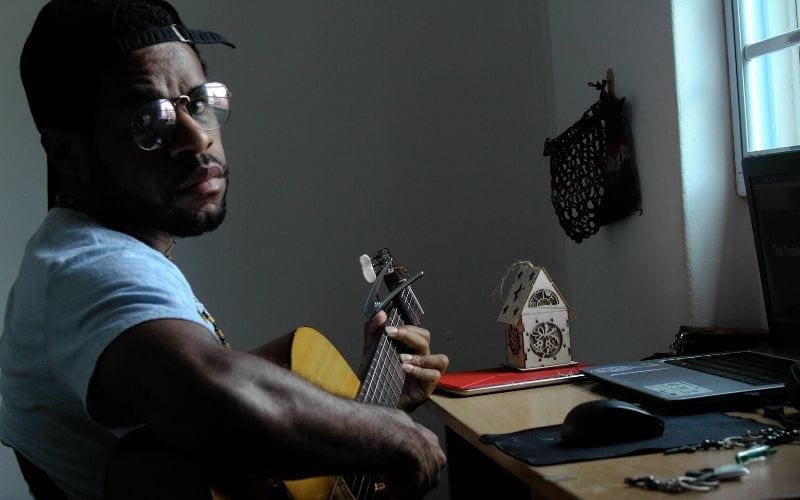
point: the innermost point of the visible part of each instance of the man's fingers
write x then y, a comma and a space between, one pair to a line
436, 361
417, 338
376, 321
427, 369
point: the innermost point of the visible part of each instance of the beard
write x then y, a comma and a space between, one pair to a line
118, 205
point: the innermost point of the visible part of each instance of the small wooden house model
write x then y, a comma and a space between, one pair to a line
537, 321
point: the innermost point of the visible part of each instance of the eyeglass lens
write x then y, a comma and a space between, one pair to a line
153, 124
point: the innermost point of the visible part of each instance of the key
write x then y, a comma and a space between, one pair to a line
721, 473
755, 453
707, 444
730, 471
687, 448
704, 445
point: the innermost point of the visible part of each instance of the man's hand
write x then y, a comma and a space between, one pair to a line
422, 471
423, 368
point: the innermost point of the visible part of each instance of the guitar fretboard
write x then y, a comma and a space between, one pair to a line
384, 380
383, 383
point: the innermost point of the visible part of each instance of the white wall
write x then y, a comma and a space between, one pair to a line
22, 177
723, 279
689, 258
627, 283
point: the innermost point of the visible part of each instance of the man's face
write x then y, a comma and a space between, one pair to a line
178, 189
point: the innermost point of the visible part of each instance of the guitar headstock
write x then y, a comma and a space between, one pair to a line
383, 272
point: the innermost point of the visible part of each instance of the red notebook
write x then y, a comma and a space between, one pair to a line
469, 383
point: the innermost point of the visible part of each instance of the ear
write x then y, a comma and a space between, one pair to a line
65, 152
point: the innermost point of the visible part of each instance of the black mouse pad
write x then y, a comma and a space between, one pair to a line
543, 446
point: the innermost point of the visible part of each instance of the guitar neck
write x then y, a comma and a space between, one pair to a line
384, 379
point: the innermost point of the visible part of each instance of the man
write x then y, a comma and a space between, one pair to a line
103, 334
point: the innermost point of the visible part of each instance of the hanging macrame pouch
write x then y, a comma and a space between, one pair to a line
592, 176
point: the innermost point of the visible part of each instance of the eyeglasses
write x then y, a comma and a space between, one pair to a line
153, 124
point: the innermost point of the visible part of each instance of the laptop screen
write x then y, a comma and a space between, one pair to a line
773, 189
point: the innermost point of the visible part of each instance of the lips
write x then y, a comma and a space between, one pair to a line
204, 180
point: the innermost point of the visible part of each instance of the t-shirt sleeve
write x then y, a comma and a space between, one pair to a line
96, 295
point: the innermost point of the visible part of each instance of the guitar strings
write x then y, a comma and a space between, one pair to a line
386, 357
385, 391
361, 484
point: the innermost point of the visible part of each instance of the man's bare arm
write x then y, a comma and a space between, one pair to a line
206, 399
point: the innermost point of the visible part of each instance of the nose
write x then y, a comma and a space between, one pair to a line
189, 136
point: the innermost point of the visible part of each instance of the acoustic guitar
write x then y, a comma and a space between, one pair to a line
140, 463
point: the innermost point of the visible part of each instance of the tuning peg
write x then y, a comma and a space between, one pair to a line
366, 268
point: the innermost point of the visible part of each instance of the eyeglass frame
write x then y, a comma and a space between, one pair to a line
165, 136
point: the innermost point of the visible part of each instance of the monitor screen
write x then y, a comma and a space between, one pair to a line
773, 184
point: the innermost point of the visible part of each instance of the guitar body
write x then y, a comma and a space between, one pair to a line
315, 359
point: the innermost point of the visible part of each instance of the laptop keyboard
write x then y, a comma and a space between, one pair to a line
749, 367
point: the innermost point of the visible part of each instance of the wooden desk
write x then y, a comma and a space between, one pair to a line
482, 471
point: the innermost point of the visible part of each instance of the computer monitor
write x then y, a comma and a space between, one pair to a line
773, 195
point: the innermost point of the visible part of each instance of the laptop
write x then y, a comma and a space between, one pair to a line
773, 197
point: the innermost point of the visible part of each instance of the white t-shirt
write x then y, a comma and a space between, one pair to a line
80, 285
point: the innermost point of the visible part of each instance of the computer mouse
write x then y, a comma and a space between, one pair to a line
608, 421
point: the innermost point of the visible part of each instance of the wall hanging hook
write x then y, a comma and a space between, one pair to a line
610, 82
606, 85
